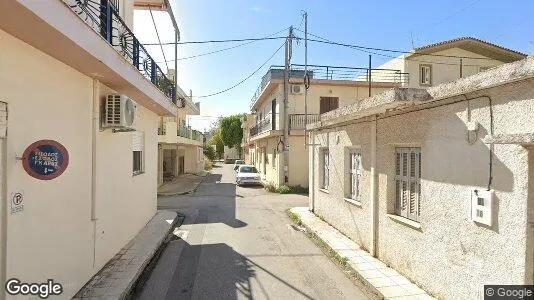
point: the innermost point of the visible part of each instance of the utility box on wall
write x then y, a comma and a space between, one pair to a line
482, 206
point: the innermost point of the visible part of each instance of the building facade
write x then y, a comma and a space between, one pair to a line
179, 146
437, 182
330, 87
80, 103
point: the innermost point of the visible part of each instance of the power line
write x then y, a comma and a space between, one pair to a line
216, 41
245, 79
221, 50
326, 41
157, 34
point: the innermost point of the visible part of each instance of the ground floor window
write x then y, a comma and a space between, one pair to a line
408, 182
354, 173
138, 148
324, 169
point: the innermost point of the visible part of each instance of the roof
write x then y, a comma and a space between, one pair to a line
473, 45
400, 98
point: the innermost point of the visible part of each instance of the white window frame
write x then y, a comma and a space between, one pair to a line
408, 182
324, 169
138, 145
423, 79
354, 174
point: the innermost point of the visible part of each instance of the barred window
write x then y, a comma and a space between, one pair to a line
355, 162
408, 182
325, 169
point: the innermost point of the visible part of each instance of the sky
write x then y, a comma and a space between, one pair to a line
381, 24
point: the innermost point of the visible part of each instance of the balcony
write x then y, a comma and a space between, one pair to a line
298, 121
91, 39
173, 133
343, 75
261, 127
103, 17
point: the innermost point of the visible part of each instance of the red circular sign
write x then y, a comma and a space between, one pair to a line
45, 159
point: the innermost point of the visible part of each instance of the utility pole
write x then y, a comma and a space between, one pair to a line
288, 48
306, 80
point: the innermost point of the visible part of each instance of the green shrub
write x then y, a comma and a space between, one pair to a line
270, 187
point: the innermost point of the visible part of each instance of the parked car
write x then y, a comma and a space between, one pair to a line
247, 174
237, 163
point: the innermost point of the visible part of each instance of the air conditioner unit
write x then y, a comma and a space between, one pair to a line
119, 112
296, 89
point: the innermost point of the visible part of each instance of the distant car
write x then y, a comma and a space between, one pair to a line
247, 174
237, 163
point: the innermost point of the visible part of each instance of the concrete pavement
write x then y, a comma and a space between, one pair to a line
238, 243
181, 185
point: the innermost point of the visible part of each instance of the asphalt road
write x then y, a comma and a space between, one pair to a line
237, 243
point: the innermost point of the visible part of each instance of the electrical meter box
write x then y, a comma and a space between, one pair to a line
482, 206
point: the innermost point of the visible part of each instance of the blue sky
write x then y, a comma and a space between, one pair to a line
382, 24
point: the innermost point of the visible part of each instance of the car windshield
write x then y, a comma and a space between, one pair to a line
248, 169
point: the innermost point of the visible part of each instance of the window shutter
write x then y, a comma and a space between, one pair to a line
323, 105
138, 141
334, 102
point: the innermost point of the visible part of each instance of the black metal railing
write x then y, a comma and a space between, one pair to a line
391, 76
103, 17
262, 126
298, 121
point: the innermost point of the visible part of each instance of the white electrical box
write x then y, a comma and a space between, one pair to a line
482, 206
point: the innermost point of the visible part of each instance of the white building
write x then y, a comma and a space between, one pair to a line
74, 190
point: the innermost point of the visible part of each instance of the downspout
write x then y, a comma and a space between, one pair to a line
374, 190
312, 183
4, 215
95, 128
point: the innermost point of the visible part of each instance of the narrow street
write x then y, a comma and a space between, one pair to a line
237, 243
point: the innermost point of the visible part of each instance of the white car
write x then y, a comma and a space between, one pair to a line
238, 163
247, 174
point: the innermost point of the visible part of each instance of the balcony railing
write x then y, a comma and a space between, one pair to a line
318, 72
262, 126
188, 133
103, 17
298, 121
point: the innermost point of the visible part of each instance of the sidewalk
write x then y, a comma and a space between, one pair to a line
182, 184
385, 281
118, 277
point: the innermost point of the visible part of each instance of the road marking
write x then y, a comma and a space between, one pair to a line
180, 233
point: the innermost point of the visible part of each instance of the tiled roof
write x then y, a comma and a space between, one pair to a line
466, 38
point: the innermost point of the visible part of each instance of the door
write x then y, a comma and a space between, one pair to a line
273, 115
181, 166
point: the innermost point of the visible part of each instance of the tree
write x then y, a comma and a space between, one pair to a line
217, 142
231, 131
209, 151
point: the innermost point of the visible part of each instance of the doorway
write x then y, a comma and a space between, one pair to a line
181, 166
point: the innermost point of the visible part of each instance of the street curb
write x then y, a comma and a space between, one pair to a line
348, 257
117, 278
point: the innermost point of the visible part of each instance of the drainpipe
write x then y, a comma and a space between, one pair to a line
3, 216
374, 191
95, 128
312, 183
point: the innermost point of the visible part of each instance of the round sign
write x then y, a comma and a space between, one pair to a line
45, 159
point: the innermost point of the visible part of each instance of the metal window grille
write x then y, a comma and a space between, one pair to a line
408, 182
326, 169
355, 161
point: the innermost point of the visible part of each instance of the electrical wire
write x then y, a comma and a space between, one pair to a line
217, 41
243, 80
157, 34
327, 41
221, 50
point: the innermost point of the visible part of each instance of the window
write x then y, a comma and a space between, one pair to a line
274, 159
325, 167
408, 182
138, 148
328, 103
354, 174
425, 74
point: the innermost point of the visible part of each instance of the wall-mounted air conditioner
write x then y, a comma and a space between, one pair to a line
119, 112
296, 89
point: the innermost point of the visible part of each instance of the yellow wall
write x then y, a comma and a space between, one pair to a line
54, 236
